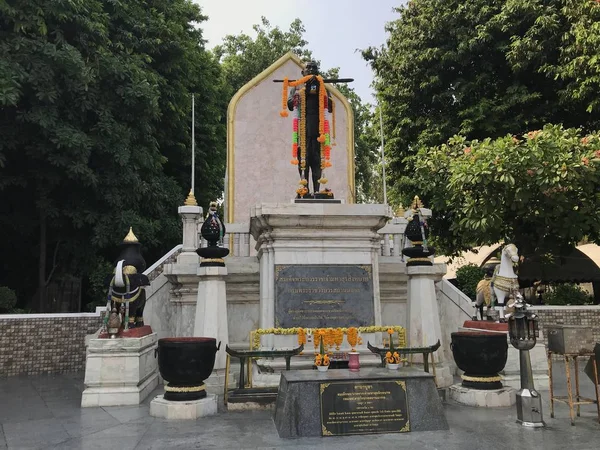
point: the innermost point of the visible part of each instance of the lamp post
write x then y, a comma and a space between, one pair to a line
523, 332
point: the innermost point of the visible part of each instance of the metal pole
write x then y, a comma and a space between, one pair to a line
382, 157
193, 146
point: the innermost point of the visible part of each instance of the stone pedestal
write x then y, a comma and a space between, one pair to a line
120, 371
211, 318
292, 236
495, 398
423, 324
301, 397
191, 216
183, 298
165, 409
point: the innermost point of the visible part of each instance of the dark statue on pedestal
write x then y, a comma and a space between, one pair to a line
309, 101
126, 294
417, 232
213, 231
312, 162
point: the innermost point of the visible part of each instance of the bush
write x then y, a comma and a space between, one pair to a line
467, 278
567, 294
8, 300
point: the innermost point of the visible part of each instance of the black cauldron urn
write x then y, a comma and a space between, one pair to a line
481, 355
184, 363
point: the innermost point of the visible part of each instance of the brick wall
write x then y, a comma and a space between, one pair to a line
588, 316
32, 344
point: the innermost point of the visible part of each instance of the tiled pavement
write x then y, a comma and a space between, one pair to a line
43, 412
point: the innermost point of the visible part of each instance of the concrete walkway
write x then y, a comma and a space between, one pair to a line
43, 412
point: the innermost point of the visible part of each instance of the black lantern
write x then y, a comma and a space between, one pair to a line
522, 326
523, 333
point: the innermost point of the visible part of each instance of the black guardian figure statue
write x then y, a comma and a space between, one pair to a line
126, 285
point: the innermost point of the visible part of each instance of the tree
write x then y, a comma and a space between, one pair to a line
366, 143
483, 69
540, 191
94, 101
242, 58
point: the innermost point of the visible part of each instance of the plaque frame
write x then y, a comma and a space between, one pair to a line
404, 406
358, 305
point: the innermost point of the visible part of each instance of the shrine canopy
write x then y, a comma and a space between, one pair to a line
259, 144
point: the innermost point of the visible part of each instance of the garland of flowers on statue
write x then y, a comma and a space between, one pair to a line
299, 128
331, 336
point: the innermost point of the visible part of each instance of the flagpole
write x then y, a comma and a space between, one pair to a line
382, 157
193, 146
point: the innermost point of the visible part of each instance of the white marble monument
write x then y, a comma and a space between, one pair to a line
259, 144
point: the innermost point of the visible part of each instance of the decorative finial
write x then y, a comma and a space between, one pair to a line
417, 203
400, 211
190, 200
130, 236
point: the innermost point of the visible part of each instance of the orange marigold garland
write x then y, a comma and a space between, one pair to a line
352, 337
284, 92
322, 99
299, 127
339, 338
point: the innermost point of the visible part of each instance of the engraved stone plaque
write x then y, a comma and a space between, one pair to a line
316, 296
364, 408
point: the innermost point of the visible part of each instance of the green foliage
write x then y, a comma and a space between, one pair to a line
483, 68
97, 290
8, 300
366, 142
540, 190
567, 294
242, 57
95, 104
467, 278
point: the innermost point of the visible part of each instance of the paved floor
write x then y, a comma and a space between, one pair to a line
43, 413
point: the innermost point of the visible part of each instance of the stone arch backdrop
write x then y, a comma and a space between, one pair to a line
259, 144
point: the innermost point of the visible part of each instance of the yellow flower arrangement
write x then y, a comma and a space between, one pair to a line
351, 333
392, 358
322, 360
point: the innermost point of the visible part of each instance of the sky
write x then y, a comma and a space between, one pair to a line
335, 29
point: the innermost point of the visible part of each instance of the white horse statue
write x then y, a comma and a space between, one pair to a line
505, 281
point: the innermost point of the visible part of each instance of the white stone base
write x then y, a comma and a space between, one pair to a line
215, 384
120, 372
165, 409
443, 376
496, 398
249, 406
118, 396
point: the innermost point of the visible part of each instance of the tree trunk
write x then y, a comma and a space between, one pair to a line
42, 264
